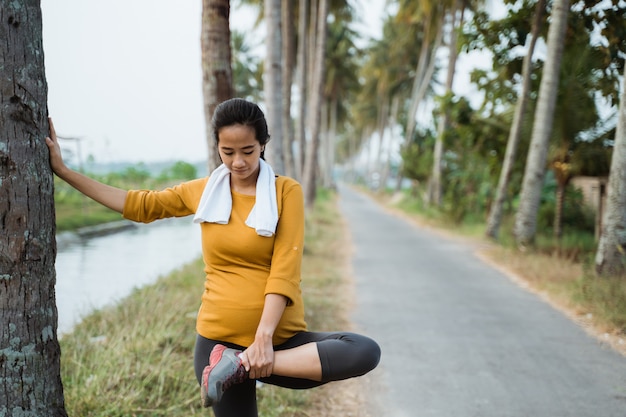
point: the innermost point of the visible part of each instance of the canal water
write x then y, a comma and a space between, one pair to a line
97, 271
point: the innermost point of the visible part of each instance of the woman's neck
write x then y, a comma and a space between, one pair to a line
247, 187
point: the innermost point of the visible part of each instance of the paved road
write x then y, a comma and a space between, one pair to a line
459, 339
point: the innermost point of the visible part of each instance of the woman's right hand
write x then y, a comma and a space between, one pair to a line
56, 158
112, 197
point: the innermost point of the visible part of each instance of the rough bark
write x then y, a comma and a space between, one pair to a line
526, 218
217, 76
29, 350
611, 254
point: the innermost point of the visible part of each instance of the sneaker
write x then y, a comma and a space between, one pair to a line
224, 370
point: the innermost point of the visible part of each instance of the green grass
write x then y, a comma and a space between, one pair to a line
136, 358
88, 213
604, 298
74, 210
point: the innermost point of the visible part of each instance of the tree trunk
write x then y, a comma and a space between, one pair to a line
381, 126
418, 95
288, 59
558, 210
435, 184
515, 134
312, 35
611, 254
418, 79
526, 218
323, 168
273, 84
317, 91
302, 71
393, 117
29, 349
332, 139
217, 76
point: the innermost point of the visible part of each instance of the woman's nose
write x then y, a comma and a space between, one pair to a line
238, 160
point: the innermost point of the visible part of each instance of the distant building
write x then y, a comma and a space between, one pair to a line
594, 196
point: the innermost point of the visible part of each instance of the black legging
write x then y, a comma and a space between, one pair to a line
342, 355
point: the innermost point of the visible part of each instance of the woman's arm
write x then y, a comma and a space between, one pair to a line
258, 359
111, 197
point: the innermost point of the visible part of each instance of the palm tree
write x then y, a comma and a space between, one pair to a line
342, 82
515, 134
302, 75
273, 82
431, 15
526, 218
216, 65
288, 66
435, 185
278, 72
309, 183
247, 69
388, 75
610, 256
576, 111
30, 353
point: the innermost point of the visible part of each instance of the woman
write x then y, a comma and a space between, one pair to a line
251, 321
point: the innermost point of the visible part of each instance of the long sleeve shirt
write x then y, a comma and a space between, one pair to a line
241, 267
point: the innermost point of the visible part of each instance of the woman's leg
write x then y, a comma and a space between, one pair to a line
307, 360
240, 399
299, 362
312, 358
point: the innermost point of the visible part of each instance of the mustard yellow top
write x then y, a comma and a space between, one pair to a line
241, 267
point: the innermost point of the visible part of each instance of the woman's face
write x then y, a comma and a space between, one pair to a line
240, 151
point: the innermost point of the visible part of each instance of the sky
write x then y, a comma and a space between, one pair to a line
125, 77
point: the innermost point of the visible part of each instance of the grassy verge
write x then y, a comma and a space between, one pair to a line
74, 210
71, 217
135, 358
560, 273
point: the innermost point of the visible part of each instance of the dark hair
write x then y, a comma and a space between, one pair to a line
238, 111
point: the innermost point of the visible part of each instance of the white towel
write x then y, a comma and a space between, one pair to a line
216, 202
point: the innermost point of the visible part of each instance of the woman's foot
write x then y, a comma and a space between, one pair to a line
224, 370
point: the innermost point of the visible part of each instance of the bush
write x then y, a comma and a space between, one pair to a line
577, 216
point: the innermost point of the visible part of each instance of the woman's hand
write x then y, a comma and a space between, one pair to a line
56, 158
258, 359
112, 197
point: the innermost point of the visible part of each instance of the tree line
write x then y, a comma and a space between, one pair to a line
548, 108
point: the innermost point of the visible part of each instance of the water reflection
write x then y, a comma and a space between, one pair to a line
94, 272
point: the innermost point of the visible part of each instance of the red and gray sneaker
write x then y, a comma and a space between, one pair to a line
224, 370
